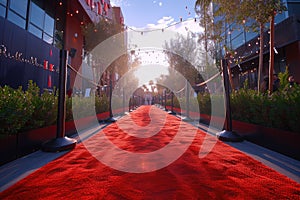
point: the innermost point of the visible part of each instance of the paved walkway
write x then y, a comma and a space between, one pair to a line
16, 170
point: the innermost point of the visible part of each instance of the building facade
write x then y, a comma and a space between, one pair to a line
245, 45
34, 31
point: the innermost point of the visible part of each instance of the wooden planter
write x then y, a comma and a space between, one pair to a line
8, 148
285, 142
281, 141
20, 144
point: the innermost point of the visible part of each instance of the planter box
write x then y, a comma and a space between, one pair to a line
8, 148
20, 144
31, 141
281, 141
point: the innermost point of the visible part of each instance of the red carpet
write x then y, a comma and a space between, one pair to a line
224, 173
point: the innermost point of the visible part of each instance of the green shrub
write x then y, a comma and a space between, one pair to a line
44, 108
15, 109
280, 110
101, 104
25, 110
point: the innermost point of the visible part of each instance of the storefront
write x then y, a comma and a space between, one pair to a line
34, 31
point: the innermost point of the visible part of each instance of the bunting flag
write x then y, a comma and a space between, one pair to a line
105, 7
91, 3
49, 81
51, 67
99, 8
45, 64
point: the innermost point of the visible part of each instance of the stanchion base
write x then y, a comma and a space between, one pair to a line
171, 113
110, 120
186, 119
59, 144
229, 136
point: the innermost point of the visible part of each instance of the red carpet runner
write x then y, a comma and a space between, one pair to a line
224, 173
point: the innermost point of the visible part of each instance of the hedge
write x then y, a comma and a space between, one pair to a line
24, 110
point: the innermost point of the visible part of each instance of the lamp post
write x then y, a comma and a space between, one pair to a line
61, 142
227, 134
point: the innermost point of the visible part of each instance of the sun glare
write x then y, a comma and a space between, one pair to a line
152, 65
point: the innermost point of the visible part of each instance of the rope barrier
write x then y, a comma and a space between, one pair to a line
208, 80
95, 84
82, 76
180, 90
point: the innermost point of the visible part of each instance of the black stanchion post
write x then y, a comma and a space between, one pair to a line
111, 118
123, 96
227, 134
61, 142
187, 99
165, 97
161, 100
172, 105
187, 118
133, 102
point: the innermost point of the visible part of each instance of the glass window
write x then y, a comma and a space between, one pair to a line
19, 6
48, 38
238, 41
16, 19
3, 2
49, 25
35, 31
36, 15
250, 35
2, 11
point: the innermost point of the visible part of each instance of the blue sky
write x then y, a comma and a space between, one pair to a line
149, 13
144, 15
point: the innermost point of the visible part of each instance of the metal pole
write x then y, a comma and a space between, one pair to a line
187, 99
227, 96
123, 100
227, 134
165, 91
172, 105
61, 112
61, 143
110, 119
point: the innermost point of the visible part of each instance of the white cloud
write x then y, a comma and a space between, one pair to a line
160, 3
187, 26
119, 3
168, 22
